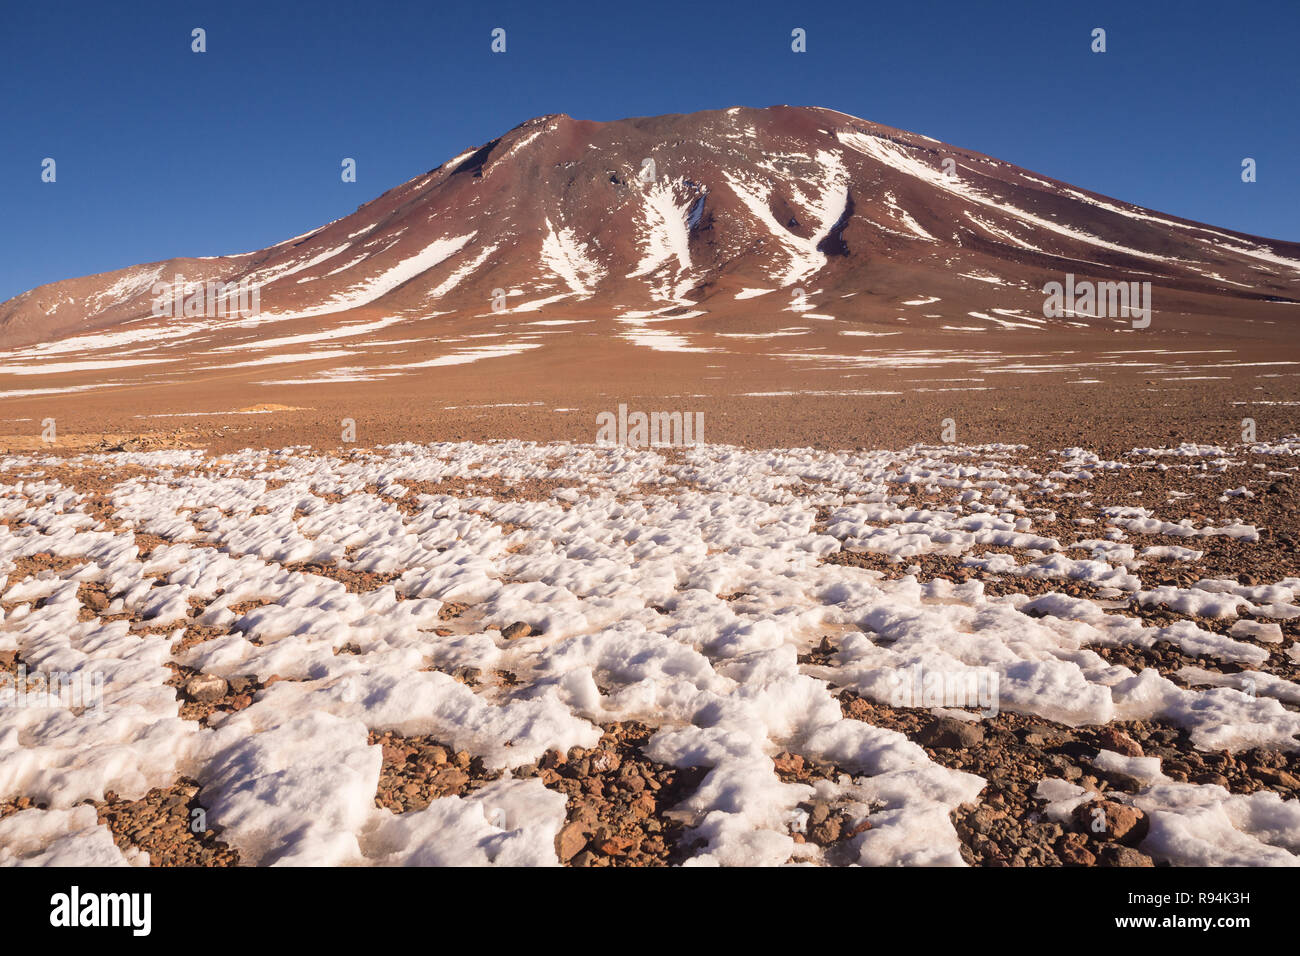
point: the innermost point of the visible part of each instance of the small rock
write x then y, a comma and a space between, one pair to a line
206, 688
450, 778
827, 831
605, 761
1073, 851
644, 805
1111, 822
1123, 781
614, 844
516, 630
947, 733
239, 685
982, 819
1125, 856
788, 763
820, 813
551, 759
585, 812
1278, 778
853, 831
1112, 738
435, 755
570, 841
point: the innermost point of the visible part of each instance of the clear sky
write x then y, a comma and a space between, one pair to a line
163, 152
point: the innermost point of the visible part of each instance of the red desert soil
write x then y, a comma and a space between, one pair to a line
555, 393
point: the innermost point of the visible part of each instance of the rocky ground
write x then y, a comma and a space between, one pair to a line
630, 798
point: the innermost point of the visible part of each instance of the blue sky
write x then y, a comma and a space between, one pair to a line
163, 152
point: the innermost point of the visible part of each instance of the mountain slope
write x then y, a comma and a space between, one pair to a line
675, 227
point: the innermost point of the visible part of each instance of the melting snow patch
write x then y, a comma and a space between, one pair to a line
681, 591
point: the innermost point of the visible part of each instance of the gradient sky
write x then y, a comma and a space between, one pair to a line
162, 152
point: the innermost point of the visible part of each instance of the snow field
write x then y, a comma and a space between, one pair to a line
676, 591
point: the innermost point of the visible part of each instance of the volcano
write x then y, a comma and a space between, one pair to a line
784, 240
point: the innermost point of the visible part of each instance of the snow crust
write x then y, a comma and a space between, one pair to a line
676, 591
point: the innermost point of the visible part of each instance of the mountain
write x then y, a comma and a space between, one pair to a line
665, 232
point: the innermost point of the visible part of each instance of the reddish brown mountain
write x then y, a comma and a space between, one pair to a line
664, 232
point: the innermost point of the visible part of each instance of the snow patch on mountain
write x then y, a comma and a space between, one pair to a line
369, 290
898, 157
824, 209
569, 258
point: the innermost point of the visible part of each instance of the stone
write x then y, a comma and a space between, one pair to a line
1073, 851
613, 844
1110, 822
240, 685
819, 814
853, 831
516, 630
585, 812
435, 755
946, 733
644, 805
1114, 739
450, 778
604, 761
1278, 778
570, 841
788, 763
827, 831
1123, 781
206, 688
1125, 856
551, 759
982, 819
